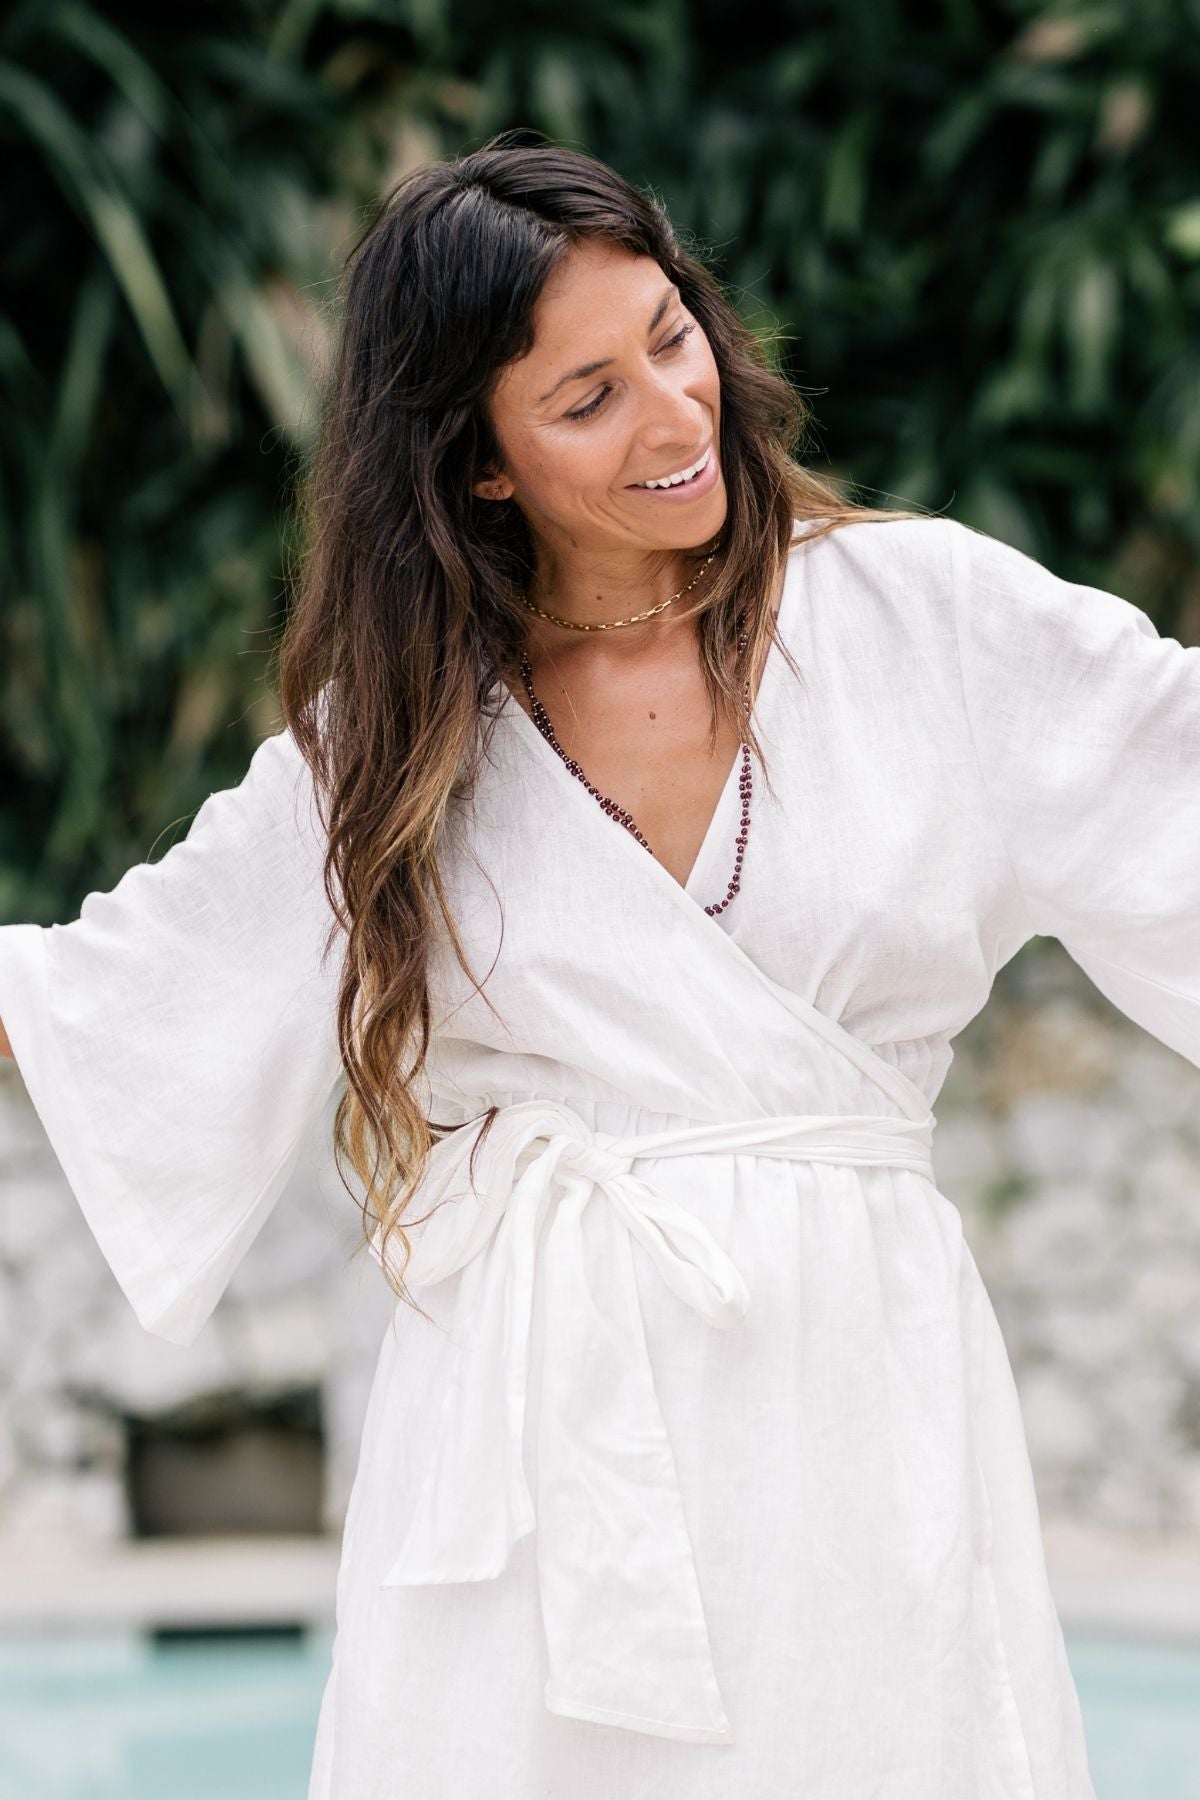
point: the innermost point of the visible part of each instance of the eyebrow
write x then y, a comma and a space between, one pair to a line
586, 369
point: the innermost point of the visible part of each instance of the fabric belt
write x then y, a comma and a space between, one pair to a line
625, 1629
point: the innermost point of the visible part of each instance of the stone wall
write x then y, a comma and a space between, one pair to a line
1068, 1137
305, 1309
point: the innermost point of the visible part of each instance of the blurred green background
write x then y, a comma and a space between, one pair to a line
975, 229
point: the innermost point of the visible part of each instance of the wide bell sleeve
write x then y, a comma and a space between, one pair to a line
178, 1039
1086, 726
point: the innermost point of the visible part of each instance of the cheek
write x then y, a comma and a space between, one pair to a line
711, 377
574, 461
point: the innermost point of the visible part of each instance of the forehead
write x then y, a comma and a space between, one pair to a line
594, 268
597, 296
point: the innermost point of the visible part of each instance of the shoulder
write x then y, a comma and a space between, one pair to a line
916, 595
873, 567
901, 543
276, 781
264, 834
880, 582
936, 572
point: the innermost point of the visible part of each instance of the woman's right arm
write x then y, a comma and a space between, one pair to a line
178, 1038
5, 1046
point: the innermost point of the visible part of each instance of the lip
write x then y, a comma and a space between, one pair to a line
701, 484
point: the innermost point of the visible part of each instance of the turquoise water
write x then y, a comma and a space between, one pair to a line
226, 1719
1141, 1711
118, 1718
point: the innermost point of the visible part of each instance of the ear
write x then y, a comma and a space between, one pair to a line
493, 487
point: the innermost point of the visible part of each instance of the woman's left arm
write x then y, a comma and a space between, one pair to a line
1086, 723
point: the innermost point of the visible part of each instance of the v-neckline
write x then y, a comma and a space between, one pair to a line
888, 1077
768, 681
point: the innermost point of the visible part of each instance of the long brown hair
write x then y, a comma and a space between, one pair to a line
406, 611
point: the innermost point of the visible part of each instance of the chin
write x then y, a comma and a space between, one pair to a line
702, 524
687, 528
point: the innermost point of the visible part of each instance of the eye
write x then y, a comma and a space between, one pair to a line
593, 406
585, 412
679, 336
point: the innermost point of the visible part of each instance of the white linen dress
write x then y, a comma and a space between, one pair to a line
708, 1481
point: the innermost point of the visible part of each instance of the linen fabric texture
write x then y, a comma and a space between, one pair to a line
708, 1478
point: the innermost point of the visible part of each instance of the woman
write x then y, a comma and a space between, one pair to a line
693, 1463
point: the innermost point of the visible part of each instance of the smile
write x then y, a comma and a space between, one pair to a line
683, 475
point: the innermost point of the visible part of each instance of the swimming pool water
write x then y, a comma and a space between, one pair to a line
123, 1718
1141, 1712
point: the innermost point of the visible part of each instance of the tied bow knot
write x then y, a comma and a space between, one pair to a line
606, 1471
598, 1160
626, 1638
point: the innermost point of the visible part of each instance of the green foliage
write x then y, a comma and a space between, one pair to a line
998, 1198
164, 249
970, 231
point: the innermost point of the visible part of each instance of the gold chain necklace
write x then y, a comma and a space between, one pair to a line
610, 624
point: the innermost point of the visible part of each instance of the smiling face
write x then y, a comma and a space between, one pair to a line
620, 388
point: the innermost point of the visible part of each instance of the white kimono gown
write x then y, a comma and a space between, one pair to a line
708, 1481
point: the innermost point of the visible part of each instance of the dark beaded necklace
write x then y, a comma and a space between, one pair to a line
745, 784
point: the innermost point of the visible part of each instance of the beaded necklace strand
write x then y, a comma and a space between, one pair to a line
745, 783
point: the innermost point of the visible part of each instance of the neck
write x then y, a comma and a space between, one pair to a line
606, 586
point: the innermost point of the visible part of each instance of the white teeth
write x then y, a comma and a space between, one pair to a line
683, 475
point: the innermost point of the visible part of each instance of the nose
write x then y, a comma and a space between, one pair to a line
671, 416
